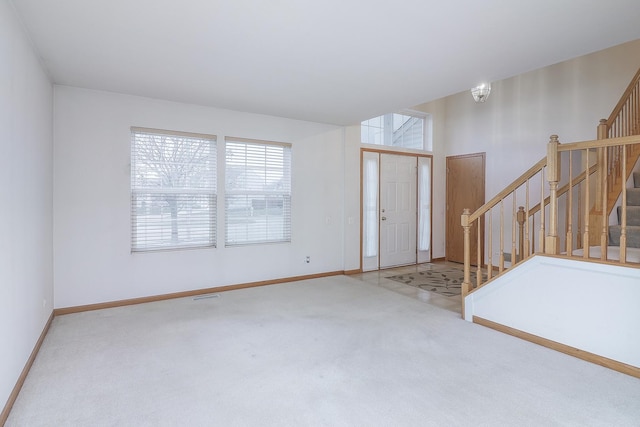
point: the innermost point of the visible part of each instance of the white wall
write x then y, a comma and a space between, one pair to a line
26, 284
352, 198
92, 258
589, 306
513, 126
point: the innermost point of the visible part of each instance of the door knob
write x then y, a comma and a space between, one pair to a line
384, 218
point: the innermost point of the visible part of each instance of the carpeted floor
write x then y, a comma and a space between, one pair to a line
333, 351
442, 279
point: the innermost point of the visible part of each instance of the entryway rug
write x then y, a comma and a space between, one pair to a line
443, 280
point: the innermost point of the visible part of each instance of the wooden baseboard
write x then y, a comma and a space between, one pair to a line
4, 415
442, 259
350, 272
563, 348
142, 300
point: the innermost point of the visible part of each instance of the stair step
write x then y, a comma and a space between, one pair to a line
636, 179
633, 236
633, 215
633, 196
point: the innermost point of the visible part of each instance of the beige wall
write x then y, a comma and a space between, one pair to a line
515, 123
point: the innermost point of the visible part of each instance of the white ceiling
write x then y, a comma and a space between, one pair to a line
332, 61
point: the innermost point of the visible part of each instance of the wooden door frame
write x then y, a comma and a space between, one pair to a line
400, 153
446, 194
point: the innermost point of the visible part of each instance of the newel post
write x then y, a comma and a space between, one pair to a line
553, 176
466, 283
603, 130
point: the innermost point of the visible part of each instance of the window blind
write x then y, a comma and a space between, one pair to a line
257, 192
173, 190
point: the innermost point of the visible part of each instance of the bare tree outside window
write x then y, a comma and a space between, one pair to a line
173, 190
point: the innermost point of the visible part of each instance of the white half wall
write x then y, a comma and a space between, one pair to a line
92, 258
26, 135
592, 307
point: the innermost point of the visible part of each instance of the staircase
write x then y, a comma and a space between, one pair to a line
555, 219
633, 217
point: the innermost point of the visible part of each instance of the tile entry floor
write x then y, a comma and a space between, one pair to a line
379, 278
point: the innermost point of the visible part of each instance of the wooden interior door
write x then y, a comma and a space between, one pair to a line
465, 189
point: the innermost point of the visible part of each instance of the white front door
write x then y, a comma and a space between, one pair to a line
398, 212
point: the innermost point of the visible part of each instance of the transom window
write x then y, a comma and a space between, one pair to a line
397, 130
173, 190
257, 192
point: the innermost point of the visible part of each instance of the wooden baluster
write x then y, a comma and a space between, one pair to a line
610, 153
501, 262
603, 189
580, 210
566, 226
490, 258
569, 210
585, 239
616, 174
533, 234
529, 249
625, 127
623, 223
630, 115
466, 282
599, 180
605, 217
636, 113
632, 111
608, 169
542, 212
514, 219
479, 259
632, 105
521, 218
553, 176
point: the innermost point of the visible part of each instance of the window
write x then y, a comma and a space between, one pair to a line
173, 190
257, 192
398, 130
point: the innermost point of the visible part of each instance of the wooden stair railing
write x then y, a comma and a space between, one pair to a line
597, 233
576, 182
485, 214
572, 201
587, 202
623, 121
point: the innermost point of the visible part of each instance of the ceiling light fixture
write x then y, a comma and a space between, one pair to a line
481, 93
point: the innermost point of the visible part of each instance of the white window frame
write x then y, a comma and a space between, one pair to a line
189, 197
257, 197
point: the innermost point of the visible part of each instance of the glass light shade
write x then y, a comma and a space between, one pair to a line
481, 93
